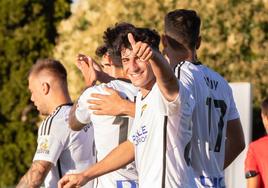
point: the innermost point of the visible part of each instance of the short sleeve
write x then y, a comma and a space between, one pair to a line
250, 162
184, 102
82, 112
49, 149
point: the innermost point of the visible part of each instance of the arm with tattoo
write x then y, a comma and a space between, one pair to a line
35, 175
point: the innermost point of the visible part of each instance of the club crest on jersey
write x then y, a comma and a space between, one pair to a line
140, 135
43, 146
143, 108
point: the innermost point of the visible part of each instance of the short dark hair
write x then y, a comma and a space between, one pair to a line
264, 106
101, 50
110, 36
183, 26
54, 67
151, 37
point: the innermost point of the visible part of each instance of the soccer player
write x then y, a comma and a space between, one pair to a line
256, 163
109, 131
60, 150
215, 116
162, 130
217, 132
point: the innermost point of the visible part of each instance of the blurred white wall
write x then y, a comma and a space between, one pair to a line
234, 174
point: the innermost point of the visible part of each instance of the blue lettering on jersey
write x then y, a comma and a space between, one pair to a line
212, 84
126, 184
140, 135
213, 182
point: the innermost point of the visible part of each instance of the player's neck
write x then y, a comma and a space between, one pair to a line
60, 99
192, 57
146, 89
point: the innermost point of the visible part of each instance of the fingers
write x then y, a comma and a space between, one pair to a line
82, 61
110, 90
94, 102
104, 96
71, 185
145, 53
98, 96
69, 181
96, 112
82, 57
63, 181
142, 50
94, 108
131, 40
96, 66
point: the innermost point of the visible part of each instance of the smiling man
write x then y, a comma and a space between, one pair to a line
161, 133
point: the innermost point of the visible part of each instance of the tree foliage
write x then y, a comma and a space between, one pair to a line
27, 32
234, 34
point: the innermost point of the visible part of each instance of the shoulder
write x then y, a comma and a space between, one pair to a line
212, 73
121, 85
191, 74
93, 89
125, 89
99, 89
58, 121
260, 141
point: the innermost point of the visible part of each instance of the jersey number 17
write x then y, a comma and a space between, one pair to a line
222, 106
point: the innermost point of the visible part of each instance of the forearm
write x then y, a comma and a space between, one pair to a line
165, 77
230, 154
235, 142
35, 175
253, 182
73, 122
117, 158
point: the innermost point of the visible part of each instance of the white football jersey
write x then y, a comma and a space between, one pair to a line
214, 107
161, 136
109, 132
69, 151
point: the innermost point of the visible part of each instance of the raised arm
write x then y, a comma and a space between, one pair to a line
254, 182
119, 157
36, 175
91, 71
165, 78
235, 142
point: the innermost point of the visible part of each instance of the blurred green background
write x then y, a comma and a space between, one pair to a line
235, 43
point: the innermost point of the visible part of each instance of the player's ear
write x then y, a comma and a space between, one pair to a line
45, 88
198, 44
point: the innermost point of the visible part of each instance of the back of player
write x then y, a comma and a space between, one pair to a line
69, 151
214, 107
109, 132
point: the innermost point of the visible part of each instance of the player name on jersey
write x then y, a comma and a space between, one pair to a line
212, 84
